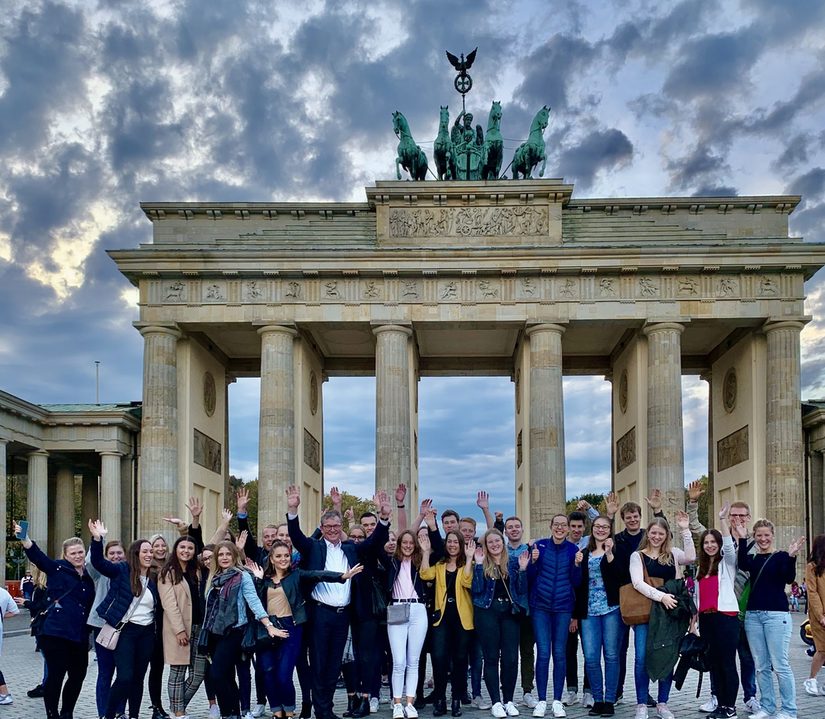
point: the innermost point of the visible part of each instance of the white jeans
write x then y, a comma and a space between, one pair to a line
406, 641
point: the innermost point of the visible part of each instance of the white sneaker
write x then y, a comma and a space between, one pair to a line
511, 709
6, 699
569, 698
480, 702
498, 710
258, 710
587, 700
710, 705
373, 705
540, 708
529, 700
811, 687
398, 711
248, 715
641, 711
558, 709
761, 714
784, 715
214, 711
752, 705
663, 712
410, 712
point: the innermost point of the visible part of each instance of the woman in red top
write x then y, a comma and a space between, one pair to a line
719, 612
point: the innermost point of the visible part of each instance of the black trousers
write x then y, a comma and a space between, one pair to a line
722, 634
326, 649
65, 660
156, 665
573, 663
225, 650
132, 655
449, 653
366, 645
527, 653
497, 629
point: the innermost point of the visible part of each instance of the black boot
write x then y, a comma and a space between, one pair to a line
159, 713
37, 692
439, 707
456, 707
306, 710
596, 709
362, 708
420, 702
607, 709
350, 704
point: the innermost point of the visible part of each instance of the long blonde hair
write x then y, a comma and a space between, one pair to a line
493, 569
237, 562
665, 551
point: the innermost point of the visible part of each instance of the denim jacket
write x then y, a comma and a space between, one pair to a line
483, 587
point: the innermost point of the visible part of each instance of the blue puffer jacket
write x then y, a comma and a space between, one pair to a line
483, 587
554, 576
65, 618
117, 602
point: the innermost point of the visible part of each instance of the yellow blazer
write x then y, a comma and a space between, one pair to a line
463, 598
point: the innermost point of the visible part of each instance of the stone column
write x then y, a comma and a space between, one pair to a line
159, 433
276, 448
816, 479
392, 406
665, 443
548, 490
63, 506
89, 504
4, 477
38, 498
111, 504
784, 466
711, 490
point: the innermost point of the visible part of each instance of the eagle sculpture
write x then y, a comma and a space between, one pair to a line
463, 64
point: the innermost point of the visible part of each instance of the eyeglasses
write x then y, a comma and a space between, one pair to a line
601, 528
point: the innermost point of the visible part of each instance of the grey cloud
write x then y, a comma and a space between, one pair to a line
699, 167
796, 151
715, 191
45, 64
713, 64
810, 184
600, 150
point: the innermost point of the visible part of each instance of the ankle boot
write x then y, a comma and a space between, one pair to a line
439, 707
350, 704
456, 707
306, 710
361, 707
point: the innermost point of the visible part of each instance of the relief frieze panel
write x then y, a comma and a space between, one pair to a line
476, 288
468, 222
733, 449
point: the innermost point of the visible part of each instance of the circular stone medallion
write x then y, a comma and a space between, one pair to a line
313, 392
209, 394
623, 391
729, 390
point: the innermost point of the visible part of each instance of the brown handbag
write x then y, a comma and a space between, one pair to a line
635, 606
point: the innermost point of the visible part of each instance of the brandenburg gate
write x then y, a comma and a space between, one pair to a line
505, 277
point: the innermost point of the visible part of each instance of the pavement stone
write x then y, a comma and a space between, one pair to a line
23, 669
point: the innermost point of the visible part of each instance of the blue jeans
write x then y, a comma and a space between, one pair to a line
278, 664
550, 629
602, 635
640, 669
105, 675
769, 634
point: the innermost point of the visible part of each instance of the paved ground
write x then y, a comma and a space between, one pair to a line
22, 668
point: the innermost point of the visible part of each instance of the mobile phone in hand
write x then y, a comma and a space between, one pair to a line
24, 529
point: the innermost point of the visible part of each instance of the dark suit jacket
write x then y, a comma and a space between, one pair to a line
314, 551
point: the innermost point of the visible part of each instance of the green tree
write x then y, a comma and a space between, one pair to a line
594, 498
358, 505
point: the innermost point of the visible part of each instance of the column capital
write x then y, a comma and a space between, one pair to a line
150, 328
783, 323
668, 326
109, 453
377, 329
267, 328
38, 453
545, 327
706, 376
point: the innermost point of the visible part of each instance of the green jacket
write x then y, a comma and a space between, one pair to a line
666, 629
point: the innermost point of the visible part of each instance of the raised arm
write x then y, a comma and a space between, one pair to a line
688, 555
104, 566
483, 502
401, 507
695, 490
220, 532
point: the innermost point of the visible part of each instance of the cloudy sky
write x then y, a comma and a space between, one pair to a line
106, 104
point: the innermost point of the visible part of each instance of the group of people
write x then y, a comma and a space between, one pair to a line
371, 599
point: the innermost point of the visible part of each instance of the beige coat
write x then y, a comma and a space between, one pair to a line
177, 617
